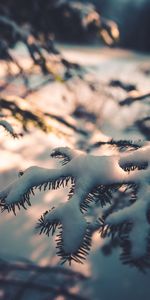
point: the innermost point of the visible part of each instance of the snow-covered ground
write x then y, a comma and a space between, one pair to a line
110, 279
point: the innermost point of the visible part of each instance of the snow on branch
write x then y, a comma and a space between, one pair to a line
93, 180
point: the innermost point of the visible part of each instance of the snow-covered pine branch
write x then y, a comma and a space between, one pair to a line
93, 180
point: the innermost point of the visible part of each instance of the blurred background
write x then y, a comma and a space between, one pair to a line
132, 18
76, 74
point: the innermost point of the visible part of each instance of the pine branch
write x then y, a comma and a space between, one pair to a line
118, 183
